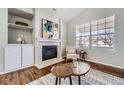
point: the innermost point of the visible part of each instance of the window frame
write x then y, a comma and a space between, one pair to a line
110, 28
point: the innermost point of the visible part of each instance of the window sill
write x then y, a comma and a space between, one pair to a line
97, 48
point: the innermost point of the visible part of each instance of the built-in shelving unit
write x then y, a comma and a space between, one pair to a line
14, 26
14, 30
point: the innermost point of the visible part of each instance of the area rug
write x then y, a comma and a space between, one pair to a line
93, 77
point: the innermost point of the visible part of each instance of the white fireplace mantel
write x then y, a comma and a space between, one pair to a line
38, 53
49, 40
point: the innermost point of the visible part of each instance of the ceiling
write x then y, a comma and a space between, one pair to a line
67, 14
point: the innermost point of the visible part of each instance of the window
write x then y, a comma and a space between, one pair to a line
83, 35
98, 33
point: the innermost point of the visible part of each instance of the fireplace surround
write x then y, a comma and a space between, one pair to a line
40, 61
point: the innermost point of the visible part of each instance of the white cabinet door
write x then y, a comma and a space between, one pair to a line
12, 58
27, 56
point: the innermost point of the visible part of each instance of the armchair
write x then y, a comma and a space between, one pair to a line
71, 53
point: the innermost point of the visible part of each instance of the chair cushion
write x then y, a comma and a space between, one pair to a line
71, 56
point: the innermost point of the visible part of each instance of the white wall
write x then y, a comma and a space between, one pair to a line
63, 36
48, 13
106, 56
45, 13
3, 34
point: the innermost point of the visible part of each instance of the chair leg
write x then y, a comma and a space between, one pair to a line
70, 80
56, 81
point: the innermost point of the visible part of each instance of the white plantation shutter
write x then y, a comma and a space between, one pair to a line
83, 35
98, 33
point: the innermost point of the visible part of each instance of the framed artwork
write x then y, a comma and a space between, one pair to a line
50, 29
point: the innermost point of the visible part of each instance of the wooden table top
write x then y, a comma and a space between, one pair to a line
62, 71
68, 69
80, 68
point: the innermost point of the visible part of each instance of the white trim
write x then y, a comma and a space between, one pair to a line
48, 40
105, 64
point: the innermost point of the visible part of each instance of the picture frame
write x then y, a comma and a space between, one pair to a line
50, 30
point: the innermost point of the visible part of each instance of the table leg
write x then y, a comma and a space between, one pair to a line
56, 81
79, 80
70, 80
59, 81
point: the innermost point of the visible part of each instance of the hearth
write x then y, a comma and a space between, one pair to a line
49, 52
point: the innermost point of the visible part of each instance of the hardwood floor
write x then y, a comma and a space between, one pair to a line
22, 77
107, 69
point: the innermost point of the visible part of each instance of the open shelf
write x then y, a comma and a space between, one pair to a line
12, 25
20, 13
14, 30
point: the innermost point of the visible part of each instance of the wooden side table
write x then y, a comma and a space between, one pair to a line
62, 71
79, 69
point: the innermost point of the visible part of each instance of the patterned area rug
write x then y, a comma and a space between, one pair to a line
93, 77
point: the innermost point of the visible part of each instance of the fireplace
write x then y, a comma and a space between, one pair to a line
49, 52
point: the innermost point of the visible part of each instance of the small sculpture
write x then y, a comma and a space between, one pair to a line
20, 39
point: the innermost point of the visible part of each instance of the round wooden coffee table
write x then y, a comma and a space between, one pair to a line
79, 69
62, 71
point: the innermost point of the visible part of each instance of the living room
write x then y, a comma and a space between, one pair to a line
36, 43
61, 46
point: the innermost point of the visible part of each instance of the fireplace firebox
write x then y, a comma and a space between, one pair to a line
49, 52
